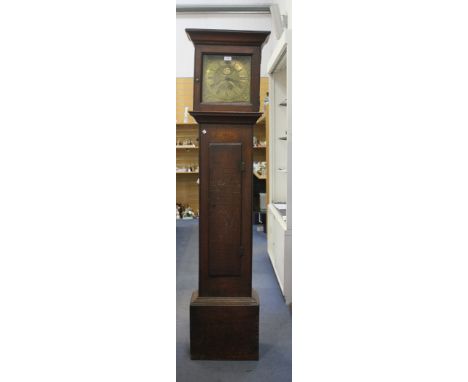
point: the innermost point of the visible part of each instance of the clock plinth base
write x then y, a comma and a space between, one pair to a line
224, 328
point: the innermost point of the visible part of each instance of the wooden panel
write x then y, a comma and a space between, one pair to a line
224, 328
225, 206
229, 285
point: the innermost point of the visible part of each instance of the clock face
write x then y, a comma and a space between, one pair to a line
226, 79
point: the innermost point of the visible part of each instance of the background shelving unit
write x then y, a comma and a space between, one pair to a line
260, 155
279, 165
186, 182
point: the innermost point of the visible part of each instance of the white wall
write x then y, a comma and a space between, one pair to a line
285, 8
185, 50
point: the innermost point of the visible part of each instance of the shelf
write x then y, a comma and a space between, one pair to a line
259, 147
186, 172
280, 215
186, 147
259, 176
261, 120
283, 138
186, 124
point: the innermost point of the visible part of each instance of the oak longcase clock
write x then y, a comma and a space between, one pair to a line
224, 311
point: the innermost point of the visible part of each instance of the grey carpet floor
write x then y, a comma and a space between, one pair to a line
274, 364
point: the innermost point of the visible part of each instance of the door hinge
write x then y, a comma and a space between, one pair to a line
242, 166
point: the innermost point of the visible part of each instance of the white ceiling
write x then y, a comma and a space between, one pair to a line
223, 2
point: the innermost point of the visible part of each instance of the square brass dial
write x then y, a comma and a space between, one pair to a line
226, 78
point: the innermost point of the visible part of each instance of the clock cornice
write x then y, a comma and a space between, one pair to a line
227, 37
